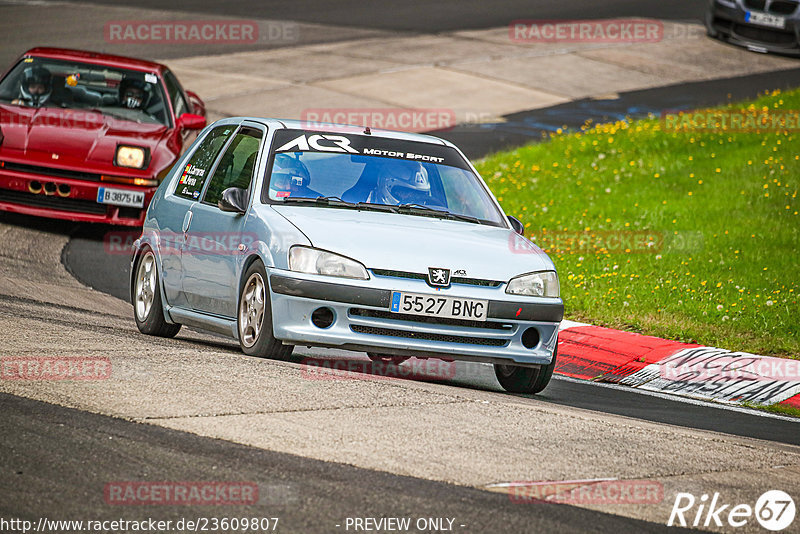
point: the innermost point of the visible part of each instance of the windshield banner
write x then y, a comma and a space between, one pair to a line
366, 145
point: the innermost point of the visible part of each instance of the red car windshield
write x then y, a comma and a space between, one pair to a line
120, 93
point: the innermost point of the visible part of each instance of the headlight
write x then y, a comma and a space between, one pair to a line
543, 284
131, 156
314, 261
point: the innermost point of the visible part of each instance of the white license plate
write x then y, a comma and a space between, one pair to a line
765, 19
120, 197
439, 306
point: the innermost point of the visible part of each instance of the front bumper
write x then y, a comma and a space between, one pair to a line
22, 191
726, 19
363, 320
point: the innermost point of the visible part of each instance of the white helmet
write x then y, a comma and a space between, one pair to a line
403, 182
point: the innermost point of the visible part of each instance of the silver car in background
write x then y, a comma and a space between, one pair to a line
759, 25
280, 233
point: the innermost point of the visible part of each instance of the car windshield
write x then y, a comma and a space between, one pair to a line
120, 93
381, 183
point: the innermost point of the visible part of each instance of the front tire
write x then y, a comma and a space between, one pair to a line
147, 308
254, 319
530, 380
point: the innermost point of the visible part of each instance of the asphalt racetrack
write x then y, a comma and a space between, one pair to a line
322, 452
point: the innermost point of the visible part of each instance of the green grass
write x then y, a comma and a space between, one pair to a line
719, 208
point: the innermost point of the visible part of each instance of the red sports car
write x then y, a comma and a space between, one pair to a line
87, 136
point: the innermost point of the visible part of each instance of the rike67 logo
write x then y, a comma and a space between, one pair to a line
774, 510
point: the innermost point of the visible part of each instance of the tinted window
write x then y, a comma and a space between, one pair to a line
195, 173
237, 165
176, 95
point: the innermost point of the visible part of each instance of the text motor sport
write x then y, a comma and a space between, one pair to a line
303, 141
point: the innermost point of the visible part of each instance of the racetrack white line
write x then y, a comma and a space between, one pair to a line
667, 396
679, 398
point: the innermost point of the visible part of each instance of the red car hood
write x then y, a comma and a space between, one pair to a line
73, 137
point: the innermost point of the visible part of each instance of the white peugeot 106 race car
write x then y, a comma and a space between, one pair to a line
280, 234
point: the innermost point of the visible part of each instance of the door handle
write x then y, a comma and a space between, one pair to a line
187, 220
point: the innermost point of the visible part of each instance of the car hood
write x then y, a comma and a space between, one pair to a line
72, 136
413, 243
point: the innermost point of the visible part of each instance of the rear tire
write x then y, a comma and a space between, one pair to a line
254, 319
147, 308
530, 380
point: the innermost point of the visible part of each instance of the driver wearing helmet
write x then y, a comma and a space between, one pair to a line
133, 93
35, 87
290, 177
402, 182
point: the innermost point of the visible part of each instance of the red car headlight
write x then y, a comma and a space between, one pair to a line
134, 157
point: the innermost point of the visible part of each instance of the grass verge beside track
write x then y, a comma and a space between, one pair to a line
663, 228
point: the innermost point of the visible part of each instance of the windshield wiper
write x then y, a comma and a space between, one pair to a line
377, 207
427, 210
339, 203
323, 201
411, 209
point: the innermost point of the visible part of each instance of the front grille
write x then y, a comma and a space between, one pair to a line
424, 277
782, 7
755, 4
378, 314
764, 36
54, 202
464, 340
50, 171
399, 274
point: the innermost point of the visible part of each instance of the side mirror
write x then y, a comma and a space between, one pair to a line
190, 121
198, 106
517, 225
234, 199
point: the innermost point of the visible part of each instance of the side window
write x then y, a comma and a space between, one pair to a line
179, 103
197, 169
237, 166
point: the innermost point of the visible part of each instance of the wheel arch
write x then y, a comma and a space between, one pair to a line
139, 251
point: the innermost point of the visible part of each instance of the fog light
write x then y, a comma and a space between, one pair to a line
322, 317
530, 338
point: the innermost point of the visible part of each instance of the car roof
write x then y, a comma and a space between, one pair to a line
96, 58
293, 124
